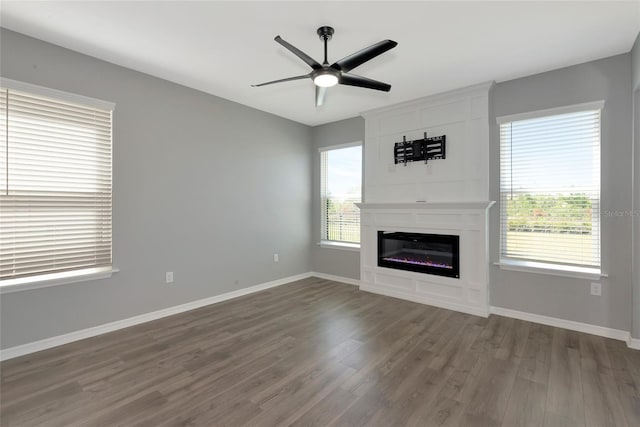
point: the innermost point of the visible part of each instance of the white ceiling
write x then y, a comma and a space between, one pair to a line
223, 47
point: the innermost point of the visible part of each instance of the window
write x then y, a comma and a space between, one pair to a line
550, 188
341, 187
55, 184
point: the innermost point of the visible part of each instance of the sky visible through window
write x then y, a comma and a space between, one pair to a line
553, 154
344, 180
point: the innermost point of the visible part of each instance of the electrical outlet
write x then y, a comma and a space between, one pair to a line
169, 276
276, 258
596, 288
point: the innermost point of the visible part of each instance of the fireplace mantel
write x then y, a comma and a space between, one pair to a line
427, 205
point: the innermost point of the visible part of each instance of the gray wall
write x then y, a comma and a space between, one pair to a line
339, 262
203, 187
610, 80
635, 71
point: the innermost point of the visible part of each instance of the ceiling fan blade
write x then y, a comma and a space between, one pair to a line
350, 62
320, 93
288, 79
300, 54
353, 80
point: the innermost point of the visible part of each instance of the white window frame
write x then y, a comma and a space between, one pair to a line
543, 267
67, 277
332, 244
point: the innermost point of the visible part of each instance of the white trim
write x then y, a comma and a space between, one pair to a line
339, 146
566, 109
46, 343
340, 279
328, 244
551, 269
57, 94
633, 343
425, 300
587, 328
55, 279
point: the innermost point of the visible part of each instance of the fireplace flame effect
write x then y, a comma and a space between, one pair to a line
427, 262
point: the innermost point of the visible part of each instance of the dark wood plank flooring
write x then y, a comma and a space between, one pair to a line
320, 353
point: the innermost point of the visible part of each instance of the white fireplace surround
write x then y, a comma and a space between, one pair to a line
469, 220
456, 191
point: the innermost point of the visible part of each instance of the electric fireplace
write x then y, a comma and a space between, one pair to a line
437, 254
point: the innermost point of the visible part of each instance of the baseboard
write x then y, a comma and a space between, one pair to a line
633, 343
340, 279
425, 300
601, 331
56, 341
46, 343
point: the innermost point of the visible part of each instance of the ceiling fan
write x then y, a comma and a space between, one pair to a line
325, 75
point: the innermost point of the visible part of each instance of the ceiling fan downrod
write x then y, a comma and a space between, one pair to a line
325, 33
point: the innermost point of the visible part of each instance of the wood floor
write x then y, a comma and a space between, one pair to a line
319, 353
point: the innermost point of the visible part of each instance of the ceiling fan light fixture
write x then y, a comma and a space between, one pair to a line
325, 80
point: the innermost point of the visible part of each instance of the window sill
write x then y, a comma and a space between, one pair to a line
552, 269
353, 247
55, 279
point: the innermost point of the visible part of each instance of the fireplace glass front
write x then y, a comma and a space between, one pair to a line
437, 254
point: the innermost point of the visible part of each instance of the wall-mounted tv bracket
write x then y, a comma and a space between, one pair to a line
420, 149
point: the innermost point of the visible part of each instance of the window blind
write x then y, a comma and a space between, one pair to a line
341, 188
55, 185
550, 189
